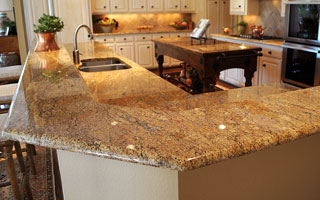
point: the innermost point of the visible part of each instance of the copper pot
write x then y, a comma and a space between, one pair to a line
257, 31
46, 42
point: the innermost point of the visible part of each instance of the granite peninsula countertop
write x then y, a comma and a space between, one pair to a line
277, 43
133, 115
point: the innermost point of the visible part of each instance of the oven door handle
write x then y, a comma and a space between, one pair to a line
311, 49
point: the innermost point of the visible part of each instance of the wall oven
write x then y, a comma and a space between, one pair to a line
301, 55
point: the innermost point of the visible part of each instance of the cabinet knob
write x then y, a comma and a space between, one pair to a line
178, 36
121, 49
104, 7
142, 6
215, 2
116, 7
224, 2
161, 36
143, 38
152, 6
148, 47
105, 40
239, 6
264, 65
176, 6
185, 6
124, 38
270, 52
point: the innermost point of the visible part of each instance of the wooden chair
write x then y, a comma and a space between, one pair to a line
6, 151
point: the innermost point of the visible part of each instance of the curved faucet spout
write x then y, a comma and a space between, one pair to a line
76, 57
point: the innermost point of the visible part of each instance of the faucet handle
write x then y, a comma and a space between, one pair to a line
90, 36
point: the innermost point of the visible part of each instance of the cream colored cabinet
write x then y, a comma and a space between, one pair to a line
244, 7
166, 59
126, 50
187, 5
269, 70
100, 6
218, 14
144, 54
155, 5
138, 5
172, 5
119, 6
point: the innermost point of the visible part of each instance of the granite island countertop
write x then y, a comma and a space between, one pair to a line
133, 115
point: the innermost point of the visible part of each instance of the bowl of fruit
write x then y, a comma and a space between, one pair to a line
107, 25
183, 24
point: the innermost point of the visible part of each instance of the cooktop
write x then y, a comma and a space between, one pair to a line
264, 37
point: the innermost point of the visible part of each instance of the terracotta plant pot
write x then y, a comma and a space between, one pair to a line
46, 42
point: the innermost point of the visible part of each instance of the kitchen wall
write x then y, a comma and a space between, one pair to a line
268, 18
129, 22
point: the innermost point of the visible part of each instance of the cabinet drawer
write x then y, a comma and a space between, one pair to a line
143, 37
177, 35
105, 39
275, 53
160, 35
125, 38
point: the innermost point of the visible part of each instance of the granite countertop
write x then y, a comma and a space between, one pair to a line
133, 115
277, 43
141, 32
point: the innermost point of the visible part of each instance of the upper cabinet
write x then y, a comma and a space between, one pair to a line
100, 6
138, 5
187, 5
155, 6
172, 5
244, 7
119, 6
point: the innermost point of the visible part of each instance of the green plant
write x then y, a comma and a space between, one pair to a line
243, 24
48, 24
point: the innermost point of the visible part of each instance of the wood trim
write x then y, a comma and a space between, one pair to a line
9, 44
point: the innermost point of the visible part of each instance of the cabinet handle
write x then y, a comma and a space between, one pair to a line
105, 40
264, 65
178, 36
270, 52
124, 38
142, 6
152, 6
161, 36
239, 6
116, 7
185, 6
104, 7
121, 49
143, 38
215, 2
148, 47
176, 6
224, 2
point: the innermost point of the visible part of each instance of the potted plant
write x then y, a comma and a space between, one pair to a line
242, 27
107, 25
45, 31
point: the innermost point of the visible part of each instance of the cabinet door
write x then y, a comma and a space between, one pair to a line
126, 50
144, 55
100, 6
166, 59
111, 46
213, 16
119, 6
172, 5
235, 77
225, 17
270, 70
138, 5
188, 5
155, 6
238, 7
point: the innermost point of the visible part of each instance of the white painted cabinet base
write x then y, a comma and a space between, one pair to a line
286, 172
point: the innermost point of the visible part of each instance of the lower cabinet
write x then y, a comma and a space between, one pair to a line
234, 76
144, 54
269, 70
126, 50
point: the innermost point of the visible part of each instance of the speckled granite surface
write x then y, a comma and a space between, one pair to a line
277, 43
142, 32
133, 115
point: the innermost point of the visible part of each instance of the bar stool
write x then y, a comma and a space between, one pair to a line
6, 151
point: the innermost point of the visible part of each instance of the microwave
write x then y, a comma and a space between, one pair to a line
302, 23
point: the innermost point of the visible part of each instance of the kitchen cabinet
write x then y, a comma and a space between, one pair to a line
187, 5
244, 7
218, 14
144, 54
269, 70
166, 59
119, 6
172, 5
155, 6
138, 5
235, 77
126, 50
100, 6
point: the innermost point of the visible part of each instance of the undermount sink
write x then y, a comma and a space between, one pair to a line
102, 64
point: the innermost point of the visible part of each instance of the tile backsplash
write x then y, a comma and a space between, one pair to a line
129, 22
269, 18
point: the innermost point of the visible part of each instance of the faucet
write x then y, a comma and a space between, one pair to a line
76, 53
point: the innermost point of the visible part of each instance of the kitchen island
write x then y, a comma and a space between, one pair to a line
135, 116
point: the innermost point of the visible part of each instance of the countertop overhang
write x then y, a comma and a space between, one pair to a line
133, 115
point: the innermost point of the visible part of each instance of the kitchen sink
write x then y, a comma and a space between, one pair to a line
102, 64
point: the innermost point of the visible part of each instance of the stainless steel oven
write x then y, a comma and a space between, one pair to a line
302, 23
301, 65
